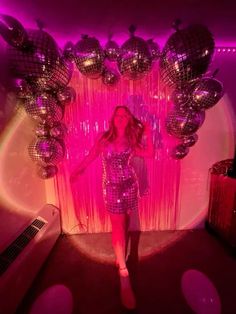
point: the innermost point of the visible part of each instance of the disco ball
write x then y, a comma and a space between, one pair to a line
42, 129
40, 63
206, 93
112, 50
66, 95
58, 130
190, 140
179, 152
59, 77
46, 150
44, 107
47, 172
21, 88
136, 59
154, 49
89, 57
186, 55
180, 123
69, 51
181, 96
110, 77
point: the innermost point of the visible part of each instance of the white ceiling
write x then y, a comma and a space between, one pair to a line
67, 19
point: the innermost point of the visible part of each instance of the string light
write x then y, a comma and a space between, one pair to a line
226, 49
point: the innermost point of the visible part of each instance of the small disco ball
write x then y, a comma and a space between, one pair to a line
44, 107
37, 61
21, 88
69, 51
206, 93
179, 152
58, 130
190, 140
180, 96
42, 129
66, 95
89, 57
46, 150
136, 59
112, 50
186, 55
180, 123
47, 172
154, 49
110, 77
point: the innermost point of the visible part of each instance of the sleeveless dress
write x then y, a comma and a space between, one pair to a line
120, 184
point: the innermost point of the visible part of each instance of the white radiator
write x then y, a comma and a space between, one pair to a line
22, 259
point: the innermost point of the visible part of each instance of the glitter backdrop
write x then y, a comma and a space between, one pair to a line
82, 206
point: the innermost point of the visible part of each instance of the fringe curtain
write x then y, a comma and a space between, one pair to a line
81, 204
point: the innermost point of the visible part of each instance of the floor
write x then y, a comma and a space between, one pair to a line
174, 272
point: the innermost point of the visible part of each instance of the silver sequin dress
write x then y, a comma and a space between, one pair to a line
120, 185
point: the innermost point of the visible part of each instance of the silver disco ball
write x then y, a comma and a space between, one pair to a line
89, 57
186, 55
47, 172
46, 150
206, 93
181, 124
44, 107
112, 50
37, 61
135, 60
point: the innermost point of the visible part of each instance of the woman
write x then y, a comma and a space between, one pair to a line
117, 146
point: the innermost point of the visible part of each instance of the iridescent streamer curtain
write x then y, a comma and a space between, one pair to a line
81, 203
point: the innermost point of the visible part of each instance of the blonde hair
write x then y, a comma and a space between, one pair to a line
133, 131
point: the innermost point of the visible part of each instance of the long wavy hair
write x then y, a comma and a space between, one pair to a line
134, 130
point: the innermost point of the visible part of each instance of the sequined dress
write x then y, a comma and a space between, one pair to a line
120, 185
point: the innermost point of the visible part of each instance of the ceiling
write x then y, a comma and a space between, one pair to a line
66, 20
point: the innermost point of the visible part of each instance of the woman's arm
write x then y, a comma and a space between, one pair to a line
92, 155
148, 149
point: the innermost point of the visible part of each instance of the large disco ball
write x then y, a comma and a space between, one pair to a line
112, 50
59, 77
184, 123
136, 59
186, 55
39, 61
44, 107
206, 93
46, 150
89, 57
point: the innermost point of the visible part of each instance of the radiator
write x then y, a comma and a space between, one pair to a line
23, 258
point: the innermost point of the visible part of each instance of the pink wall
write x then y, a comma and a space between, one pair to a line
22, 193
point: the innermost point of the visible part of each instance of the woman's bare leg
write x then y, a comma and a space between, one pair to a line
119, 232
118, 222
